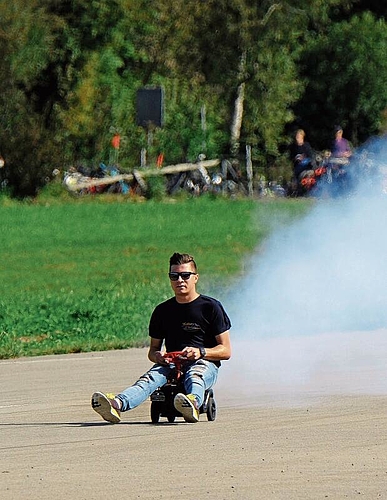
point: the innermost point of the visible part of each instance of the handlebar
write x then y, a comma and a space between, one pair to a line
175, 357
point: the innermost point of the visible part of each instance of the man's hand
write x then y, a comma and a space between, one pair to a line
159, 358
192, 353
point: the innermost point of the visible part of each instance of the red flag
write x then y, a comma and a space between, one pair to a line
116, 141
160, 160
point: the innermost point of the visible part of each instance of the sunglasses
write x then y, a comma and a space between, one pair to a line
184, 276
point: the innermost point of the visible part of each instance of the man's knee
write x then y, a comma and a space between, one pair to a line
198, 370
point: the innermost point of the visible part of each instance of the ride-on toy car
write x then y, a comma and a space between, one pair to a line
162, 398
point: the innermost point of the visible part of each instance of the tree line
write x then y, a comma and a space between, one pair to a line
234, 72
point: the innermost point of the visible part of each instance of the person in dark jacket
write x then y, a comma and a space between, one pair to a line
301, 154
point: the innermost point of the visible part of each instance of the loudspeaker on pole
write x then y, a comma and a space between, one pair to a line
150, 107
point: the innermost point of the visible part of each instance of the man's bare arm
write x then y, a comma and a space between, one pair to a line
154, 354
221, 351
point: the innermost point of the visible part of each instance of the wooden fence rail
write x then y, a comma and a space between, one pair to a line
75, 185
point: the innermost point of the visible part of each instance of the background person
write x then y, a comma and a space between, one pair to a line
301, 154
341, 153
190, 322
341, 148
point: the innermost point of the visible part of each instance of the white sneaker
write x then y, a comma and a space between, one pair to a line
187, 406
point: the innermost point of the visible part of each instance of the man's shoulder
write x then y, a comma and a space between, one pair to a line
166, 303
200, 301
206, 299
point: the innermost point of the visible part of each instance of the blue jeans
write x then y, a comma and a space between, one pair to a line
197, 377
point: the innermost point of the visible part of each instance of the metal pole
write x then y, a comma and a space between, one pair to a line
249, 170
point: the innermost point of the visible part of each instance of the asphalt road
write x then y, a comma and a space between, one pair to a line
326, 444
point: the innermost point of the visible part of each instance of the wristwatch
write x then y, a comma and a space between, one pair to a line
202, 352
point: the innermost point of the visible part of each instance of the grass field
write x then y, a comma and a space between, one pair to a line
86, 276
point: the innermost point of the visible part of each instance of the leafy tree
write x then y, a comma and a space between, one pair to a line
249, 51
87, 68
27, 144
144, 48
346, 70
376, 7
234, 71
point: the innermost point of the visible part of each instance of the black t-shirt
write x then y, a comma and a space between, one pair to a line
194, 324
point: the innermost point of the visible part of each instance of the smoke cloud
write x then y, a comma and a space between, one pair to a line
310, 314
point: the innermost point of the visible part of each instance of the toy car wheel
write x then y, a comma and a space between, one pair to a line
211, 409
171, 418
155, 412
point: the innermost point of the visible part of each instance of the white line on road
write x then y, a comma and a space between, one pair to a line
44, 360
